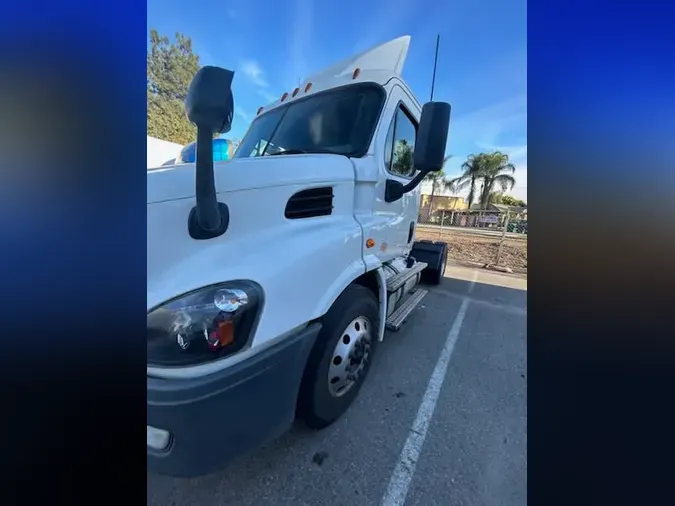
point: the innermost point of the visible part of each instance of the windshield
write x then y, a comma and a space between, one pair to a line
338, 121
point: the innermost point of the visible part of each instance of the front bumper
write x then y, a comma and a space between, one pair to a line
214, 418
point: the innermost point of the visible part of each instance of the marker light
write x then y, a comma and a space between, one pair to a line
222, 336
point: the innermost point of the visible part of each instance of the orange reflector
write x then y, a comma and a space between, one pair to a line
259, 110
356, 73
370, 243
225, 333
283, 97
308, 87
295, 91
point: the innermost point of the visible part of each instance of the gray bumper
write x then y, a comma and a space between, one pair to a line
217, 417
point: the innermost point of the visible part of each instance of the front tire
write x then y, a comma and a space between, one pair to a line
340, 360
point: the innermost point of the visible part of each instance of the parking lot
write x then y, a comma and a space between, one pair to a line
441, 420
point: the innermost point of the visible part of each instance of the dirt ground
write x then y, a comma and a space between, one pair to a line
476, 248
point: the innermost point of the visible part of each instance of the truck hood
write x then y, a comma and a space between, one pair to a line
178, 181
256, 191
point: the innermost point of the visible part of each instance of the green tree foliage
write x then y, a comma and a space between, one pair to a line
496, 171
511, 201
403, 157
508, 200
171, 67
491, 170
497, 198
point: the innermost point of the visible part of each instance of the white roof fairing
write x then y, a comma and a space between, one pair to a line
378, 64
389, 56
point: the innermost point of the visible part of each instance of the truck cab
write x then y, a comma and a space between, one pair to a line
273, 276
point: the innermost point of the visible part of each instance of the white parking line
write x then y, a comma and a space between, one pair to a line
405, 468
474, 277
507, 308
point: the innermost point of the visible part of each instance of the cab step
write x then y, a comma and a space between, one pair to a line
398, 280
399, 316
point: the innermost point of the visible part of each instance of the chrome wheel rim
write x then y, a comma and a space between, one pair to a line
350, 356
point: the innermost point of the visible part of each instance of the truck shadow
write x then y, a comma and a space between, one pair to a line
486, 287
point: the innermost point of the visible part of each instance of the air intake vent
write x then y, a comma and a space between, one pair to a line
310, 204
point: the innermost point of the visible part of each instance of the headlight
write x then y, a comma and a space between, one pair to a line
204, 325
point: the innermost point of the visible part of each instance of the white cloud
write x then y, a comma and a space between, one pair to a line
269, 97
520, 190
243, 114
255, 73
485, 125
380, 25
301, 40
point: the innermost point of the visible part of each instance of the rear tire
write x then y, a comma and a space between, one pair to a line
340, 360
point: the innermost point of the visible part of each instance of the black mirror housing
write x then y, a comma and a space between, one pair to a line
210, 106
209, 103
432, 137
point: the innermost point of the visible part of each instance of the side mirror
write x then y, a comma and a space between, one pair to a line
209, 103
210, 106
432, 137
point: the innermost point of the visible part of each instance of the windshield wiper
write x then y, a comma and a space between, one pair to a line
303, 152
289, 152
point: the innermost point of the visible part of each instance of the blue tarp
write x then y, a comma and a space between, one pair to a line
223, 149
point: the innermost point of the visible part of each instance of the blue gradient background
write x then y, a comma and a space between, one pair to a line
601, 100
601, 132
72, 170
73, 255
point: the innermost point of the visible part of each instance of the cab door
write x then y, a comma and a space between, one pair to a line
397, 164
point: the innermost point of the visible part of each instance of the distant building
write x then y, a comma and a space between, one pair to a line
514, 211
160, 151
438, 204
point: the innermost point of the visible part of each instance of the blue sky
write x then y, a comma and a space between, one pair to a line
482, 66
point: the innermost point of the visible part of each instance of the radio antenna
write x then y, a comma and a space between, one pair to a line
433, 79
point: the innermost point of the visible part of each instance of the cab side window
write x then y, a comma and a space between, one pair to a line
400, 144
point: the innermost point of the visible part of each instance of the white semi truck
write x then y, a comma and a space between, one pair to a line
272, 277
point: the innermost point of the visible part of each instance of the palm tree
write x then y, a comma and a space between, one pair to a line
494, 172
489, 169
471, 173
438, 182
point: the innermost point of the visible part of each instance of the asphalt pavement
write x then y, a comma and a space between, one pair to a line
441, 420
